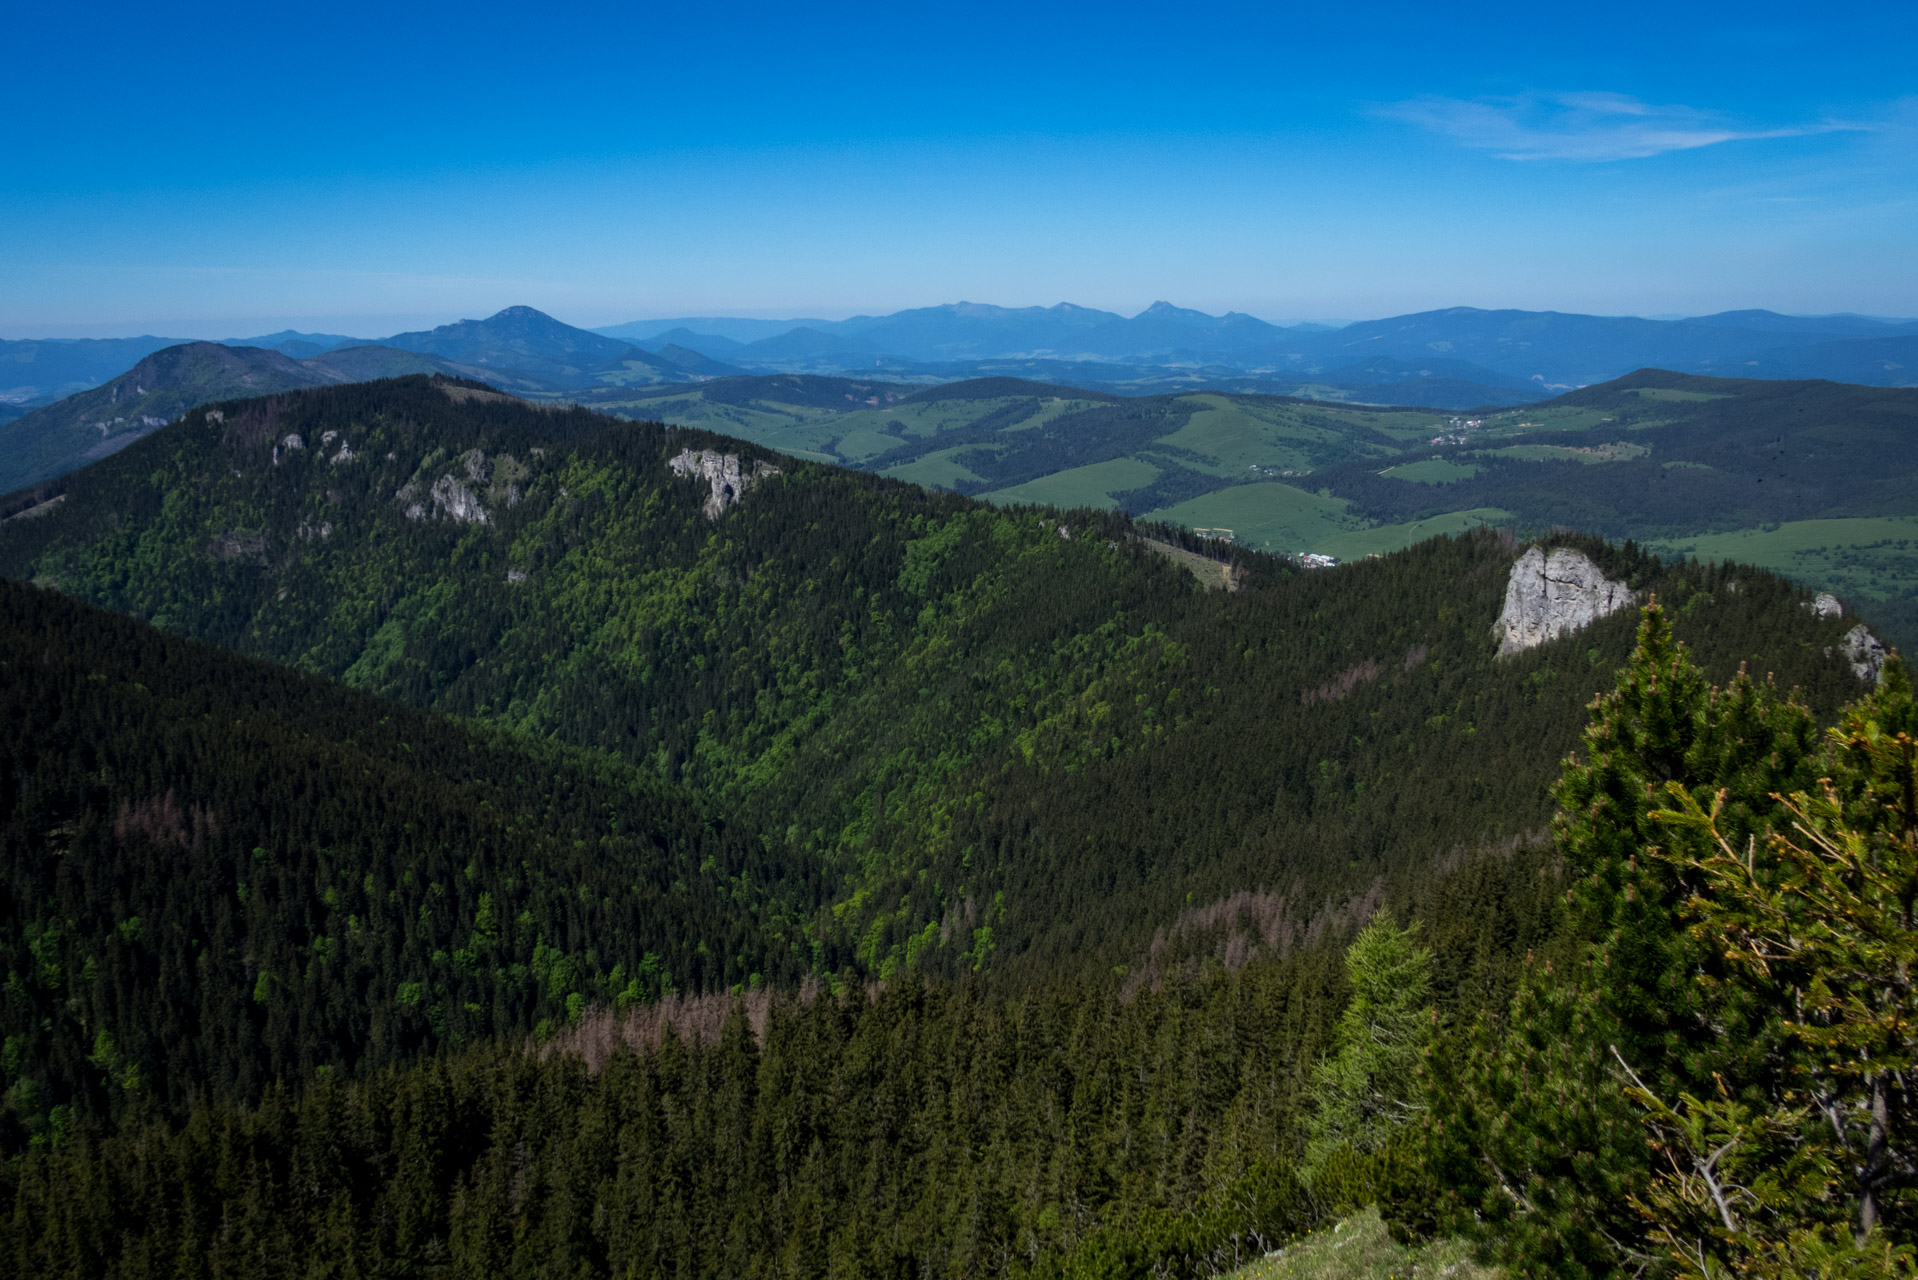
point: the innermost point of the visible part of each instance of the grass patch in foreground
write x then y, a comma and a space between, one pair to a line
1360, 1248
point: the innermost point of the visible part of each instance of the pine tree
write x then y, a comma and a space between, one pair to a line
1534, 1143
1369, 1086
1817, 921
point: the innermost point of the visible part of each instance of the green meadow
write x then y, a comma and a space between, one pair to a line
1269, 517
1090, 486
1869, 556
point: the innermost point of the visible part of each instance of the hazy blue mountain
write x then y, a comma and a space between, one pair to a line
1880, 362
1165, 330
1546, 350
732, 328
524, 341
366, 362
291, 342
37, 371
694, 362
804, 345
707, 344
1550, 348
975, 330
1835, 326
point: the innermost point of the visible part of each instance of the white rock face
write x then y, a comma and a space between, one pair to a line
448, 496
1825, 605
457, 501
1865, 652
722, 470
1549, 596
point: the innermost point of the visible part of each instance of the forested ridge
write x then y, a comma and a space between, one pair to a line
219, 873
1015, 740
1017, 905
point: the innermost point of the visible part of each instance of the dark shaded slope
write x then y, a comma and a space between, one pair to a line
216, 873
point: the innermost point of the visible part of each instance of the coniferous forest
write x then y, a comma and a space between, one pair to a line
443, 838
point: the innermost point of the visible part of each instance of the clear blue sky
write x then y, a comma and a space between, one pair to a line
203, 170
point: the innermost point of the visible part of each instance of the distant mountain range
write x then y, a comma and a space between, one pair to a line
1545, 351
1459, 358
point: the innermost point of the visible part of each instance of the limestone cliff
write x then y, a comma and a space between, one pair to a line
1865, 652
723, 471
450, 497
1549, 596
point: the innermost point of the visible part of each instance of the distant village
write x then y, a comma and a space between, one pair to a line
1460, 427
1304, 559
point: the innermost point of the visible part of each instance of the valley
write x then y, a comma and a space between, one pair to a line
1690, 465
835, 750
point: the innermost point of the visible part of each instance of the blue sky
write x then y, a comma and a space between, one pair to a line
206, 170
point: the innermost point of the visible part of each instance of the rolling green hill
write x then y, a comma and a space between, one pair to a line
1675, 461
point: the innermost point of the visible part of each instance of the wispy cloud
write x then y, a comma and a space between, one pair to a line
1582, 126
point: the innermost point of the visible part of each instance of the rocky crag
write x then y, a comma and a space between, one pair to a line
729, 479
1865, 652
1551, 595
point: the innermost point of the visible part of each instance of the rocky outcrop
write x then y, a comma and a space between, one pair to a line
238, 545
449, 495
723, 471
1825, 605
1551, 595
458, 502
1865, 652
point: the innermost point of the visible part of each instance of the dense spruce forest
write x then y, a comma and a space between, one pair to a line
221, 873
566, 865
